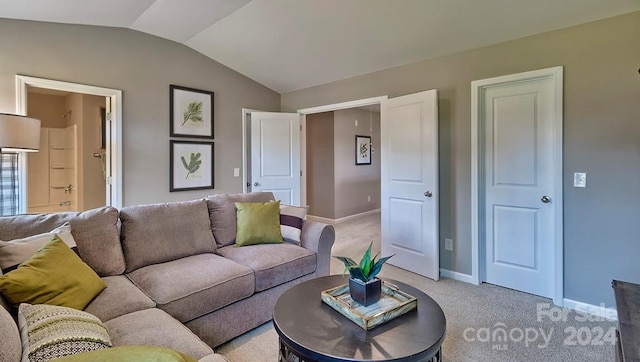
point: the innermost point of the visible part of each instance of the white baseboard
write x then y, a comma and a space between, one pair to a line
446, 273
342, 219
597, 310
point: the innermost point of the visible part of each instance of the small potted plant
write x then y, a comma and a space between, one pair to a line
364, 287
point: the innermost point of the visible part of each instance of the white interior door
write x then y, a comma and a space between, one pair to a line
518, 120
275, 155
409, 185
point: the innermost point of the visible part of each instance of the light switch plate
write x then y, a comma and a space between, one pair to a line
579, 179
448, 244
236, 172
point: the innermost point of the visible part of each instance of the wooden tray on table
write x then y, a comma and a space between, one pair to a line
393, 303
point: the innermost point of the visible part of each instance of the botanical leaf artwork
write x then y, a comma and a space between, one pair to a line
194, 163
364, 148
193, 113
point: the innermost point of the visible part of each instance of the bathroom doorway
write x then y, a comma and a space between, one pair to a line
98, 144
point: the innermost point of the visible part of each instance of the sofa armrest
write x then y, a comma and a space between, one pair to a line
319, 238
10, 345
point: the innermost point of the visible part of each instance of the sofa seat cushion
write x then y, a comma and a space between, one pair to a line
159, 233
190, 287
154, 327
120, 297
273, 264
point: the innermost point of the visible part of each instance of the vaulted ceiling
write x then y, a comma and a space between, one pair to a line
294, 44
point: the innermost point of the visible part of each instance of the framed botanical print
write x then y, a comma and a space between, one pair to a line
191, 165
191, 112
363, 150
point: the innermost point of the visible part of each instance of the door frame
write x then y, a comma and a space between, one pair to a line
114, 198
478, 263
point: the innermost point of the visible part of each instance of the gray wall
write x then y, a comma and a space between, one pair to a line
601, 137
320, 167
142, 66
354, 183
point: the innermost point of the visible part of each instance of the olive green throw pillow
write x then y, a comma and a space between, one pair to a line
129, 353
258, 223
54, 275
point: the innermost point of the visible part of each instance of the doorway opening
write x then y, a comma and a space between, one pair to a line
69, 171
247, 183
374, 102
105, 131
338, 186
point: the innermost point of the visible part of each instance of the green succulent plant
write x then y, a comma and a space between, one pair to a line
367, 269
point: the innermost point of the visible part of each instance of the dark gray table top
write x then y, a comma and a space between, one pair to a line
317, 332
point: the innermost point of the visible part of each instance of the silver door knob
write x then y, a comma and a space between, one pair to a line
428, 194
256, 183
546, 199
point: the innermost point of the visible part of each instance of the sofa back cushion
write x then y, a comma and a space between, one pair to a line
222, 213
94, 231
158, 233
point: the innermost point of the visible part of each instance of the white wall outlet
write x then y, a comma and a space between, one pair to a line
356, 123
236, 172
448, 244
369, 198
579, 179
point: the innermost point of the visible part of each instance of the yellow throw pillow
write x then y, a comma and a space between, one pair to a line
258, 223
129, 353
54, 275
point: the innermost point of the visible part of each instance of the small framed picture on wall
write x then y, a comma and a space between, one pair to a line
191, 112
363, 150
191, 165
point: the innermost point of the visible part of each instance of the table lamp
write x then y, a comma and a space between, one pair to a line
19, 133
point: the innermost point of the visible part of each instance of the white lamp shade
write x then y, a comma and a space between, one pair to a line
19, 133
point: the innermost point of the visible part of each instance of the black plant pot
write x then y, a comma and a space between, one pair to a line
365, 293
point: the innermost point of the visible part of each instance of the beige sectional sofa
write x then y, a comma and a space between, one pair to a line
174, 276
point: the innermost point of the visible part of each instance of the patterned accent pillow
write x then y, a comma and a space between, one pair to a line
291, 220
49, 331
14, 252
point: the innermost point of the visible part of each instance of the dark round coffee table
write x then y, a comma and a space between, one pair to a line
313, 331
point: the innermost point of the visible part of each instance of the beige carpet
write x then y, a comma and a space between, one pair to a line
476, 317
